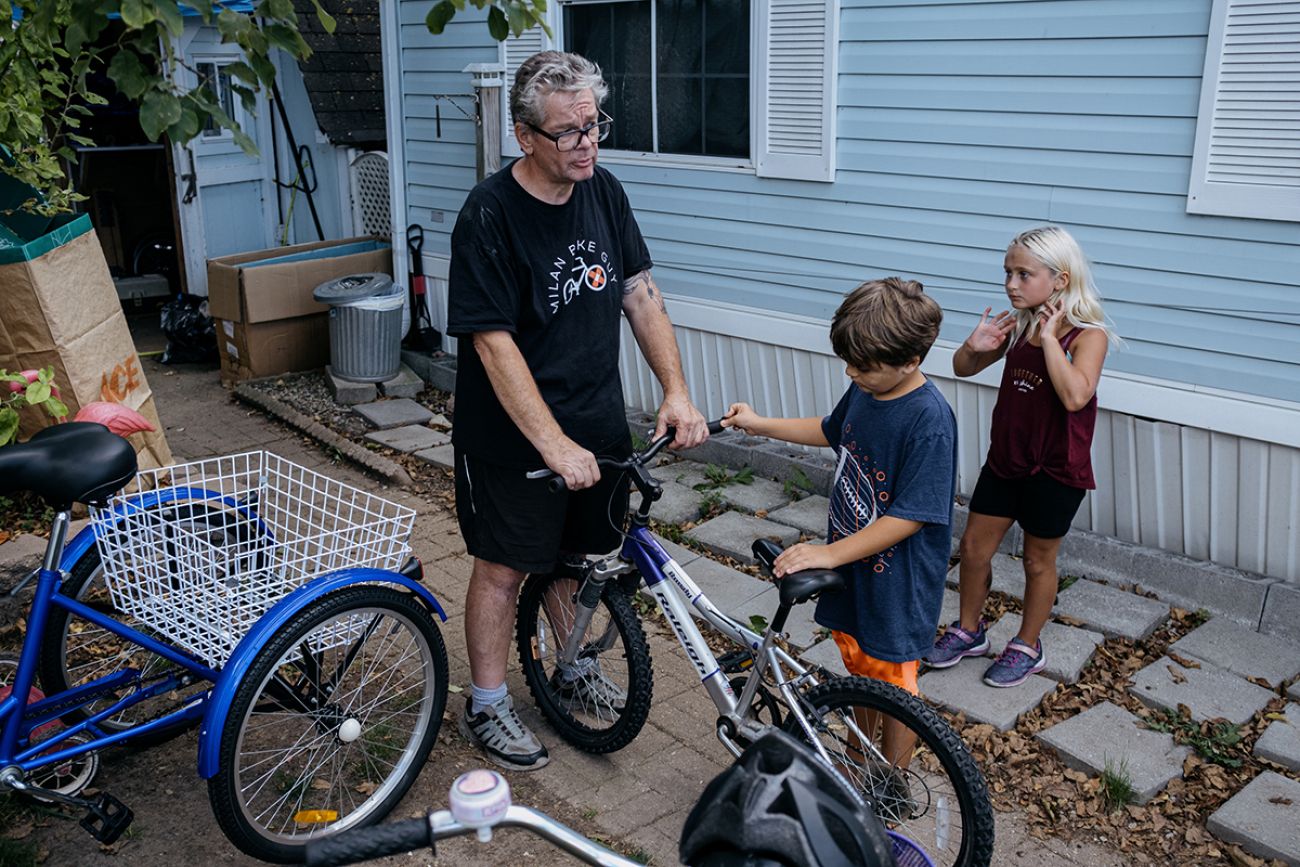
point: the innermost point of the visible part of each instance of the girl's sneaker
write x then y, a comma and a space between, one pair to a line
1015, 664
956, 644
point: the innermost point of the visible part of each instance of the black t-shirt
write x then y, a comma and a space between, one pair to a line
552, 275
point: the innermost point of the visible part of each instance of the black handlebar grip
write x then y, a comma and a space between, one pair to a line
364, 844
556, 484
715, 427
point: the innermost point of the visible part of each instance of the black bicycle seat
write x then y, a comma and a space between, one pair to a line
796, 587
74, 462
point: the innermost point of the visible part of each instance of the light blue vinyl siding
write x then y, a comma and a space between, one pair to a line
961, 123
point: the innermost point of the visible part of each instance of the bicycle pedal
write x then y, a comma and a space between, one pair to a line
736, 661
106, 818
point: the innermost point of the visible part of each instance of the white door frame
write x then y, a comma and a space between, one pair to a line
188, 161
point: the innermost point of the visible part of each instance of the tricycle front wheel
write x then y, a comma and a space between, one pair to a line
332, 723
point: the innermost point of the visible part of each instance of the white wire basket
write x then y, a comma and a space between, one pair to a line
236, 535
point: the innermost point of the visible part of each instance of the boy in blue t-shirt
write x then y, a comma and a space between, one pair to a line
895, 439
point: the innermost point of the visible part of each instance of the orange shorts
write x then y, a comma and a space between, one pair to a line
900, 674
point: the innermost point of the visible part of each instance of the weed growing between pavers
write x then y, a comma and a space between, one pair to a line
798, 485
1214, 740
1060, 802
1116, 785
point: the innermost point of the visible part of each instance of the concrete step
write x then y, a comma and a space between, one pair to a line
678, 505
1242, 651
758, 495
961, 689
404, 384
408, 438
1263, 818
808, 515
1107, 737
1207, 692
1113, 612
731, 534
385, 414
1280, 742
440, 456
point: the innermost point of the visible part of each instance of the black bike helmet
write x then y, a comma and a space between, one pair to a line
779, 805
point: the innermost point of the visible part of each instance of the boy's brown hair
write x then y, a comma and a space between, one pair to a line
888, 321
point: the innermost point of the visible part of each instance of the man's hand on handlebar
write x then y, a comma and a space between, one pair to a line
680, 413
573, 463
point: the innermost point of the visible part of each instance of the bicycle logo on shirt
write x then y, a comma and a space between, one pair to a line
582, 274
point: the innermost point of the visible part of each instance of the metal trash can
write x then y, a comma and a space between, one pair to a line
365, 326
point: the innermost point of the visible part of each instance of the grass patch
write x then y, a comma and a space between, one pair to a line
798, 485
1216, 741
716, 477
1065, 581
1117, 785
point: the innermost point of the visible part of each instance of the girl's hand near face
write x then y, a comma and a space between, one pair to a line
1050, 318
990, 334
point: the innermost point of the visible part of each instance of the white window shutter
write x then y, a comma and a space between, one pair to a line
1245, 162
514, 51
794, 119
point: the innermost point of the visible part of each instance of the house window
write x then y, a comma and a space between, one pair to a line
678, 72
216, 81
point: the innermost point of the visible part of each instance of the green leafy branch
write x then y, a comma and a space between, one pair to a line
20, 390
505, 17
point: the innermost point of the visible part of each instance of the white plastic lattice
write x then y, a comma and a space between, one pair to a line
370, 194
215, 543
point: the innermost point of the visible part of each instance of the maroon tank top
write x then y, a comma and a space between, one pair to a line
1032, 430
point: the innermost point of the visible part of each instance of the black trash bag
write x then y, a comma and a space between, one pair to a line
191, 333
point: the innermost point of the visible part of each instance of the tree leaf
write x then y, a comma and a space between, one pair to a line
159, 110
129, 74
242, 71
186, 128
170, 16
519, 22
135, 14
438, 16
326, 20
498, 26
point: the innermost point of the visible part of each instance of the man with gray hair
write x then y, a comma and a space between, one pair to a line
546, 257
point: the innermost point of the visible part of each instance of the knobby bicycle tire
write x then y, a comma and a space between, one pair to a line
939, 799
332, 722
614, 660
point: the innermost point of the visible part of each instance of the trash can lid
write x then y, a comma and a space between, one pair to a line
354, 287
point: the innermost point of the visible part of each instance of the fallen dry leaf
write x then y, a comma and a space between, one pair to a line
1183, 661
1176, 674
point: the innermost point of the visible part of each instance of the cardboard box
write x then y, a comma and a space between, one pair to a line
267, 320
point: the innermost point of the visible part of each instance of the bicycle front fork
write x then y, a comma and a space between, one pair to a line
595, 575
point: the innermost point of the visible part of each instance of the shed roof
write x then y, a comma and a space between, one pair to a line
344, 75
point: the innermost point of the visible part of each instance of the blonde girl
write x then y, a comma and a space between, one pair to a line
1039, 463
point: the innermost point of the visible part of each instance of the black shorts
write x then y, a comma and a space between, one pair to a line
1041, 505
515, 521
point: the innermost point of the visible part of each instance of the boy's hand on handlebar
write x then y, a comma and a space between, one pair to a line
797, 558
742, 417
680, 413
573, 463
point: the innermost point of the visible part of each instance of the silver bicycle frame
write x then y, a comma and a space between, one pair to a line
673, 590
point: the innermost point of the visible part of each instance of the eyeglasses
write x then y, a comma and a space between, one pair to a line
570, 139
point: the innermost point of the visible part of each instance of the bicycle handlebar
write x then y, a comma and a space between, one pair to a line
556, 481
408, 835
363, 844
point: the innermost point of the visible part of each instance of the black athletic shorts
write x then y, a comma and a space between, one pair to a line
1041, 505
516, 521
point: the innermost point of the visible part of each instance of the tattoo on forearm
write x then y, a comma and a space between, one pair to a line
640, 280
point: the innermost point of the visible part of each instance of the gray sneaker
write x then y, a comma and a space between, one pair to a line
589, 691
501, 734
